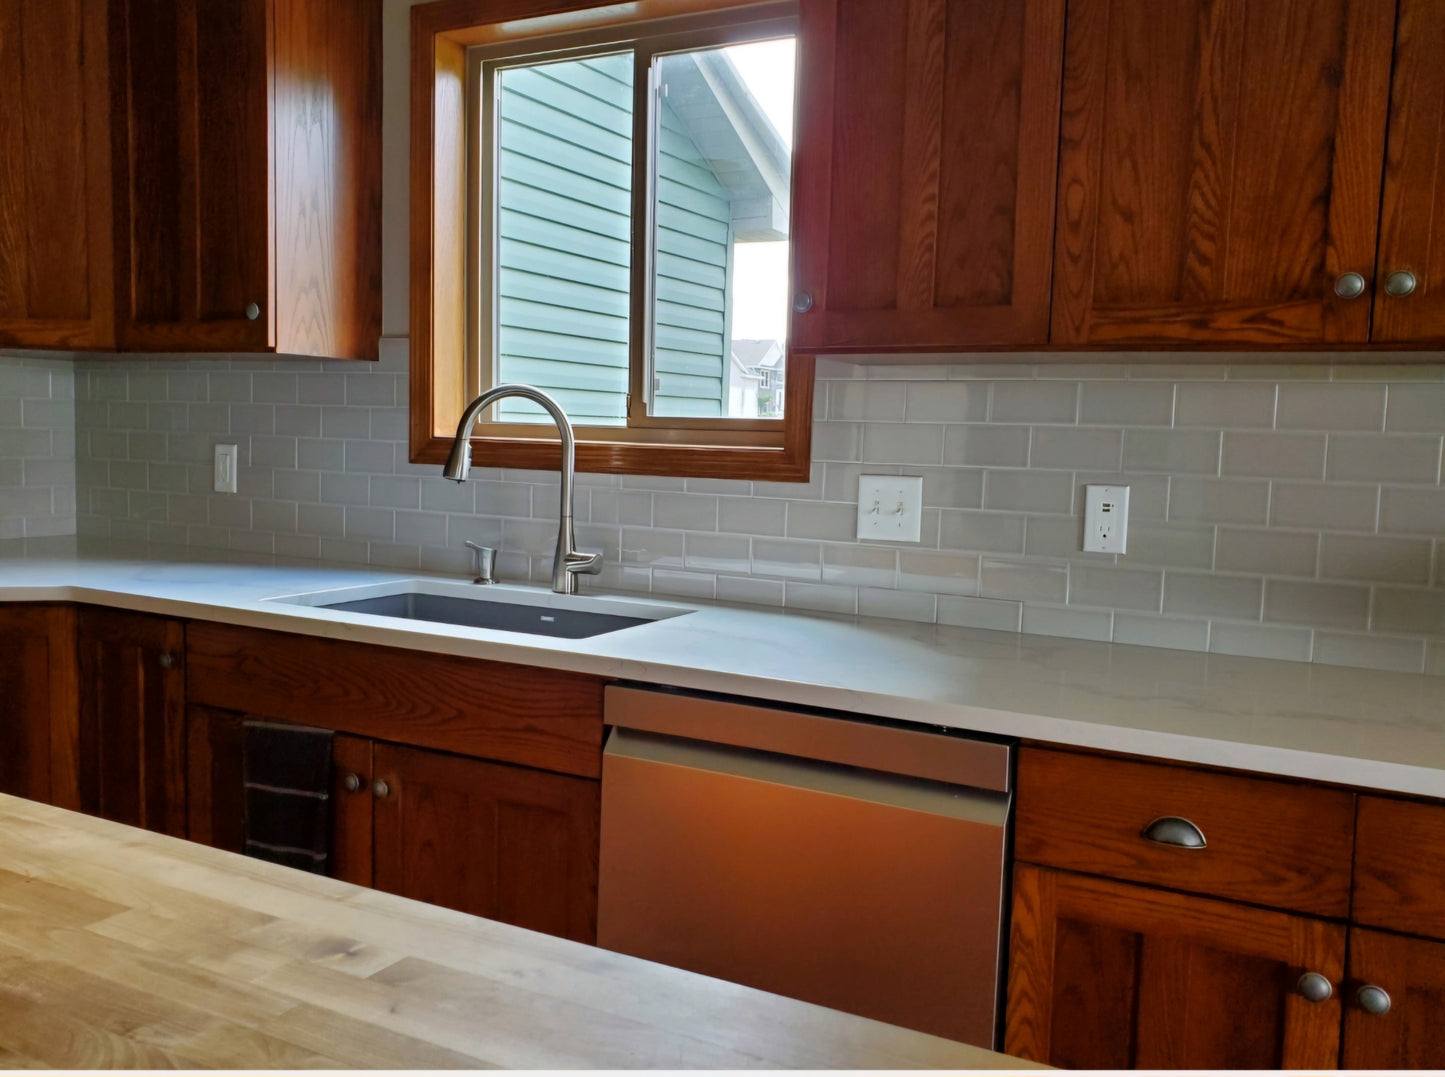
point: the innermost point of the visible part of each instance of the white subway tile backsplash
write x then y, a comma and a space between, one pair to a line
1231, 498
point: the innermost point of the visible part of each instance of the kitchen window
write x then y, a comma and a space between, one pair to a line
612, 226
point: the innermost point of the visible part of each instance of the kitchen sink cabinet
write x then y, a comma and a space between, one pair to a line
927, 143
38, 703
56, 287
130, 749
509, 843
247, 153
1110, 975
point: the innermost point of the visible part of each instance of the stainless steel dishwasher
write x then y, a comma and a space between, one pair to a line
857, 864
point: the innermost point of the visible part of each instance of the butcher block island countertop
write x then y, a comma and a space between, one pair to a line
124, 948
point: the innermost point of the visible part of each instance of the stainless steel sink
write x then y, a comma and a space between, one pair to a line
499, 607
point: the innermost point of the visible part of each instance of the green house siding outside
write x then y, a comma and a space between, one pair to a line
564, 221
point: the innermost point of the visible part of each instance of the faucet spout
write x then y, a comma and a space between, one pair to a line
568, 562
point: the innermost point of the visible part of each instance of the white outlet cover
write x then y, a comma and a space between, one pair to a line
890, 508
226, 460
1106, 519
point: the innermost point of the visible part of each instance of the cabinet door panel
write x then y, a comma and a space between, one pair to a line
132, 721
55, 241
1219, 169
192, 174
1412, 972
1412, 220
1112, 975
351, 810
507, 843
37, 703
215, 784
926, 155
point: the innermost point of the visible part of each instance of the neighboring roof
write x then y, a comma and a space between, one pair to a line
755, 353
735, 136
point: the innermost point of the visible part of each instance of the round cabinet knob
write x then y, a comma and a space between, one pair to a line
351, 783
1373, 1000
253, 311
167, 661
1315, 987
1350, 285
381, 789
802, 302
1400, 284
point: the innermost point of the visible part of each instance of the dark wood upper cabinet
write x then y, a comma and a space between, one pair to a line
1410, 289
1219, 170
508, 843
131, 744
55, 246
1107, 975
247, 155
926, 150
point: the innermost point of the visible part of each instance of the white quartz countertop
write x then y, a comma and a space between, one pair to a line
1358, 727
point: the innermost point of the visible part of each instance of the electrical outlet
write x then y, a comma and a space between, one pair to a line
1106, 519
890, 507
226, 457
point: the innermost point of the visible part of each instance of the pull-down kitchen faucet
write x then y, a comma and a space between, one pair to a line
568, 561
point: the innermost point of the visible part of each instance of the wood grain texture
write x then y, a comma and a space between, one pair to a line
215, 778
1412, 971
1400, 866
1219, 169
247, 147
326, 118
925, 172
132, 738
1269, 842
1190, 982
192, 174
55, 216
514, 714
122, 948
352, 810
440, 32
1412, 218
37, 699
508, 843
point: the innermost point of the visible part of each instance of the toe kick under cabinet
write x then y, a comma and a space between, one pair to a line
1170, 917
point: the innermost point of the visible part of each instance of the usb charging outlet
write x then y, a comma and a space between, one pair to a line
1106, 519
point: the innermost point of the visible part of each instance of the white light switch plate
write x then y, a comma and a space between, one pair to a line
890, 507
226, 458
1106, 519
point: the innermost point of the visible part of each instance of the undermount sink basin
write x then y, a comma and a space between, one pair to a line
500, 607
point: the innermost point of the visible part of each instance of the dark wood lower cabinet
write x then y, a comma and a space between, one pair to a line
131, 737
1109, 975
37, 703
1411, 972
509, 843
505, 842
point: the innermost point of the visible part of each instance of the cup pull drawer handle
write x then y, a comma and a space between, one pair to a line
1172, 830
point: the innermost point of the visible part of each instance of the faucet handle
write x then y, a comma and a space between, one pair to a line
484, 562
589, 564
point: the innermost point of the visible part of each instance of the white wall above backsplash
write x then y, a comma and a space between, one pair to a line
1292, 512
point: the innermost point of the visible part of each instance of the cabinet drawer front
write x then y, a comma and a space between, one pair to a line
1400, 866
1267, 842
513, 714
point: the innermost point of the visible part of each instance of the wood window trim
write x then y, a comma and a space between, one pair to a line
441, 33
